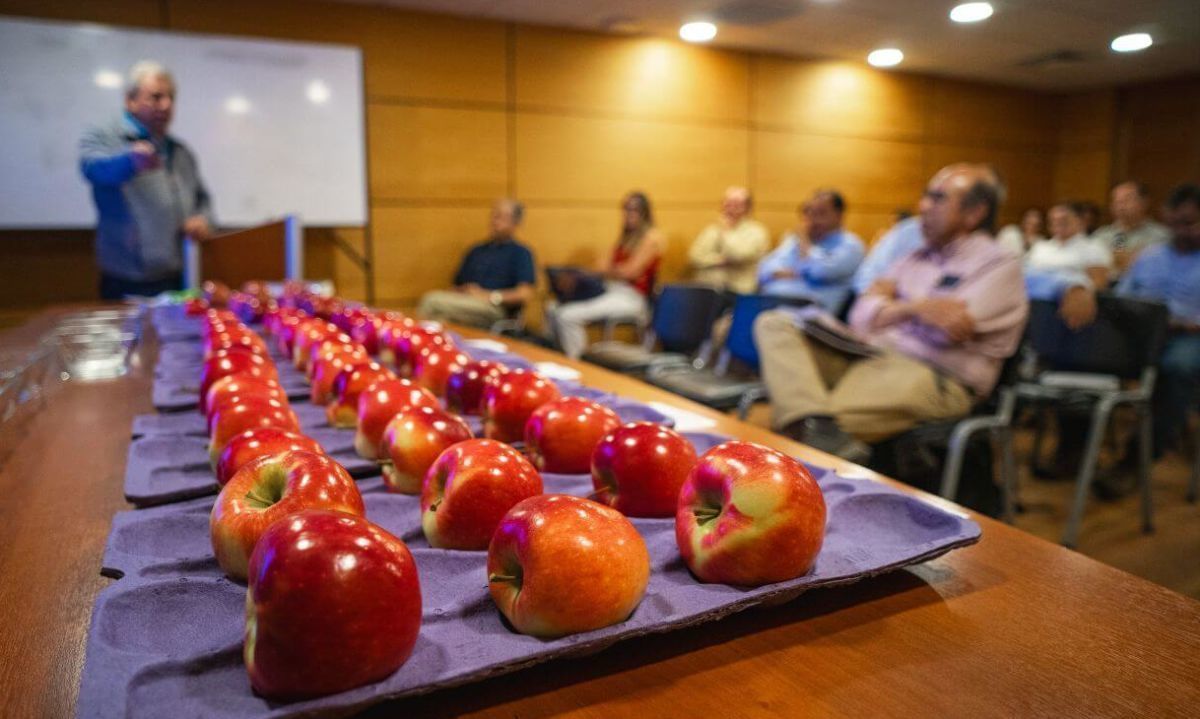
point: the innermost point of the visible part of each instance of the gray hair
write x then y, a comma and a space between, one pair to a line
142, 70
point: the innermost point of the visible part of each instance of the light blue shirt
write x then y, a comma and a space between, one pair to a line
824, 274
902, 240
1165, 274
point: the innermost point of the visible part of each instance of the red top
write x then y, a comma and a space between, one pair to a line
644, 283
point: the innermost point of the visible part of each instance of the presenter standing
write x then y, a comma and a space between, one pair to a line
147, 189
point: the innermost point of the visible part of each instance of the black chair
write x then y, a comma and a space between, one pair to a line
1123, 345
681, 326
733, 381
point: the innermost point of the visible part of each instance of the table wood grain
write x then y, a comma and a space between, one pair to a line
1014, 626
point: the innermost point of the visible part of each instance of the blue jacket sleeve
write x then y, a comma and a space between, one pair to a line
779, 259
835, 265
102, 163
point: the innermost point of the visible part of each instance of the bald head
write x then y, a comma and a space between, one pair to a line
960, 199
736, 204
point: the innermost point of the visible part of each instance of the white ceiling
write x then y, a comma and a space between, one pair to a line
996, 50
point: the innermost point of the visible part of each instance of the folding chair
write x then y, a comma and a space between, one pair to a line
681, 326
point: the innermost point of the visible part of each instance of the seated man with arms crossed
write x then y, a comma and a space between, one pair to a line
726, 253
496, 276
943, 318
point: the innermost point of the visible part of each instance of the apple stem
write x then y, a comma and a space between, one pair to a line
434, 507
500, 578
704, 515
256, 498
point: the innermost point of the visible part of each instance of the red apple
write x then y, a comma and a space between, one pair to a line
435, 363
261, 442
409, 341
413, 440
749, 515
233, 339
561, 434
239, 385
352, 381
638, 469
388, 335
231, 363
378, 405
268, 489
365, 331
251, 413
559, 564
313, 333
509, 399
356, 620
331, 347
195, 306
464, 388
470, 487
326, 371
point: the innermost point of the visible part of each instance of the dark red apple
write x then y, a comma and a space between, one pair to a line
261, 442
464, 388
509, 399
639, 467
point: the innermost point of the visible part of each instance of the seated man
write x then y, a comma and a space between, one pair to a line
1170, 273
1132, 229
1069, 267
818, 261
726, 253
901, 240
943, 318
494, 278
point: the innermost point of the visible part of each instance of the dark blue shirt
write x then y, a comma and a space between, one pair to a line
497, 265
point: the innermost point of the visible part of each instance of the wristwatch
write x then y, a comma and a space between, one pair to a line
496, 298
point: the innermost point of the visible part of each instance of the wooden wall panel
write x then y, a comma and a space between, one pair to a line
1083, 175
138, 13
560, 70
419, 248
839, 98
878, 174
1029, 174
599, 160
438, 153
1160, 143
975, 114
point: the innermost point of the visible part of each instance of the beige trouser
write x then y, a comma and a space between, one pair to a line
450, 306
871, 398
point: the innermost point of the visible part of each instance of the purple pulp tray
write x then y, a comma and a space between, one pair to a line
166, 639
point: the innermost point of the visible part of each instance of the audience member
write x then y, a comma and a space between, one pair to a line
495, 278
629, 274
1069, 267
1132, 229
1091, 216
943, 319
726, 253
147, 189
1018, 239
817, 260
903, 239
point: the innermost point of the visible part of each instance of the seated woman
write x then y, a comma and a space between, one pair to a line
628, 273
1069, 267
1019, 239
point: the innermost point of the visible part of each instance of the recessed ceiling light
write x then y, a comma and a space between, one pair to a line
885, 57
108, 79
1132, 42
971, 12
698, 31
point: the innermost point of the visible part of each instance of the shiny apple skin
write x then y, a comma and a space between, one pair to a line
561, 434
330, 348
510, 399
435, 363
407, 343
412, 442
638, 469
230, 363
325, 372
470, 487
333, 603
464, 388
560, 565
255, 412
378, 405
285, 484
238, 385
254, 443
749, 515
342, 410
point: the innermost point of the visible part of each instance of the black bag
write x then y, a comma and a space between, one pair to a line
573, 284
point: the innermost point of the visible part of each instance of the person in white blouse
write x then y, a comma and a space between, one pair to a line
1017, 239
1069, 267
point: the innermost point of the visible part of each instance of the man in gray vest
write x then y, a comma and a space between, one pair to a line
147, 189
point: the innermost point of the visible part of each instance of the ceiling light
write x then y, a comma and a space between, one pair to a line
1132, 42
885, 57
237, 105
971, 12
698, 31
108, 79
317, 92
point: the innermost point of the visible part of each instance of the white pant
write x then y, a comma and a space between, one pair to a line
569, 321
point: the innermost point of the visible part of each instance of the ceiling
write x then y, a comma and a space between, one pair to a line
1047, 44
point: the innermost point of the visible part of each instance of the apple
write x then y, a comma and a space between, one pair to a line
325, 372
378, 405
413, 440
331, 347
314, 332
638, 469
260, 442
268, 489
509, 399
229, 339
561, 434
559, 565
408, 342
435, 363
470, 488
237, 385
216, 293
388, 335
251, 413
195, 306
342, 411
230, 363
365, 331
464, 388
356, 620
290, 327
749, 515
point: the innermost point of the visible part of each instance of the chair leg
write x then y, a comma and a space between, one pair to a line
1087, 471
1039, 436
1008, 469
1145, 467
1194, 483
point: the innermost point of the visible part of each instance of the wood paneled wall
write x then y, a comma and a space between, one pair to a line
462, 111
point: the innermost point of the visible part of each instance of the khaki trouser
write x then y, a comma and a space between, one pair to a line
871, 398
450, 306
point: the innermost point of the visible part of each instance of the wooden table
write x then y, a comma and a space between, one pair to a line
1014, 626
